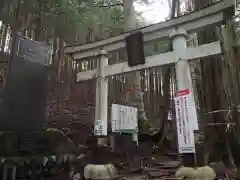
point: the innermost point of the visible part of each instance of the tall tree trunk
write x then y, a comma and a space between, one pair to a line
214, 98
39, 24
228, 36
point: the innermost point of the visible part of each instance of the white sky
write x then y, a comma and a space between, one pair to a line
155, 12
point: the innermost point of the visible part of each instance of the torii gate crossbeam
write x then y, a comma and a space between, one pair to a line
153, 61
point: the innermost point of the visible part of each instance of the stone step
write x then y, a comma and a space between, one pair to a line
157, 174
167, 165
171, 154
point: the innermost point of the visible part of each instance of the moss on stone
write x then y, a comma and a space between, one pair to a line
145, 127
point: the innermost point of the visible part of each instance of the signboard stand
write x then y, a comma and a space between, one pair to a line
184, 122
124, 120
185, 127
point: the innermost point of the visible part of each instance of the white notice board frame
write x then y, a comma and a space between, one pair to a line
185, 128
124, 119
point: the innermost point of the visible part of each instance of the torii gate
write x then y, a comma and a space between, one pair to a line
176, 29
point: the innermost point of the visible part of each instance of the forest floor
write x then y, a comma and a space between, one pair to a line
138, 162
155, 168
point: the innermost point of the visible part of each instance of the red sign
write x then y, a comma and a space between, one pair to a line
182, 93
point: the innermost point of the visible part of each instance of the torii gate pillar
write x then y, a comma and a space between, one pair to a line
179, 44
101, 110
183, 77
98, 170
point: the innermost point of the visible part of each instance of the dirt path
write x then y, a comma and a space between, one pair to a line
162, 169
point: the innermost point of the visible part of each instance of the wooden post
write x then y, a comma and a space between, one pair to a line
183, 76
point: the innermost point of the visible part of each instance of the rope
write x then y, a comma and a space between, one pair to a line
222, 110
219, 124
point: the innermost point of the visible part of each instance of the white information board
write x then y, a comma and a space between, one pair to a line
170, 115
124, 119
185, 128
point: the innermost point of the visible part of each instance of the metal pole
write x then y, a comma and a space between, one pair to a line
183, 77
